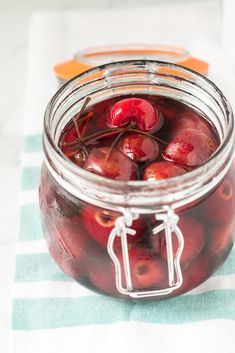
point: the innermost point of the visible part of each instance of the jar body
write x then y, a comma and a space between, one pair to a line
77, 234
138, 239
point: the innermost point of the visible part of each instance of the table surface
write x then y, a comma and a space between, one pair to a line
13, 68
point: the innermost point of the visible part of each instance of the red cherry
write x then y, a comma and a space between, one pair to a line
220, 205
190, 147
194, 240
99, 223
146, 269
114, 165
69, 134
139, 148
135, 110
194, 273
75, 155
170, 108
221, 237
103, 278
68, 245
162, 170
71, 238
63, 264
190, 120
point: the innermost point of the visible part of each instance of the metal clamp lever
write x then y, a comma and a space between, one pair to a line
123, 228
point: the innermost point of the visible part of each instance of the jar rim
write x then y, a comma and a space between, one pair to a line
174, 182
131, 51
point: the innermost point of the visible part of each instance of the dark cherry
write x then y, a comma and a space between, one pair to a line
219, 206
139, 148
220, 238
63, 264
99, 223
137, 111
146, 269
189, 120
103, 278
190, 148
162, 170
194, 273
71, 237
69, 136
111, 164
194, 240
170, 108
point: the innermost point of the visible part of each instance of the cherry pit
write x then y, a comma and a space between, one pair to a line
129, 138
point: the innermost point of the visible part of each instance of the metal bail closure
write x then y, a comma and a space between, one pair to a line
123, 228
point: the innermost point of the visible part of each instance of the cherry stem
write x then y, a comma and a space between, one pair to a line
72, 143
76, 118
107, 132
96, 135
149, 135
83, 148
114, 143
87, 119
101, 134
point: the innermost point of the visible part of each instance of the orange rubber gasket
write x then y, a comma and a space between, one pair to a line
69, 69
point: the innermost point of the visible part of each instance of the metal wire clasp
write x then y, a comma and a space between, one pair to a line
123, 228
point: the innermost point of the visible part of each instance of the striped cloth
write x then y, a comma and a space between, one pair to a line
52, 313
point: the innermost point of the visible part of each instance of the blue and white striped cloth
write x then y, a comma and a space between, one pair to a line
52, 313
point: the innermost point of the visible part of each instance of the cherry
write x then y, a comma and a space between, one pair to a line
101, 111
194, 273
190, 148
170, 108
100, 222
54, 202
68, 245
139, 148
137, 111
70, 237
69, 135
219, 206
72, 152
194, 240
111, 164
162, 170
56, 255
146, 269
189, 120
221, 236
103, 278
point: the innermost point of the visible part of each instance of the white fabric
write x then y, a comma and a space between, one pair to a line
202, 337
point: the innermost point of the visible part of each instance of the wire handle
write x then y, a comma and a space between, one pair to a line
123, 228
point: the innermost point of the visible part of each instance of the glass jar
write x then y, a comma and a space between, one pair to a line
77, 204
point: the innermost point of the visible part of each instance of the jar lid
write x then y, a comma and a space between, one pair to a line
89, 58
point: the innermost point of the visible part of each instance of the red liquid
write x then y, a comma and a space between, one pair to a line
77, 233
